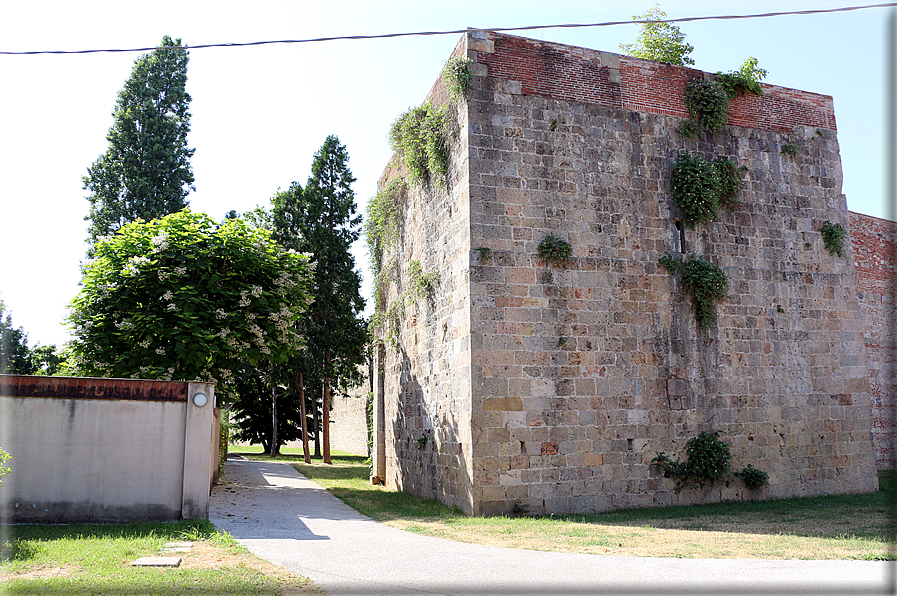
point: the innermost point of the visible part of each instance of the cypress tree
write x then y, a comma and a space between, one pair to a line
145, 172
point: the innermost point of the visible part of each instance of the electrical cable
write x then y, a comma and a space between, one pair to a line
454, 31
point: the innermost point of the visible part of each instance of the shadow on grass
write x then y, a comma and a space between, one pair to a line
23, 539
867, 516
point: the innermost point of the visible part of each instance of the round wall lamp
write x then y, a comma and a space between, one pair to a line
200, 399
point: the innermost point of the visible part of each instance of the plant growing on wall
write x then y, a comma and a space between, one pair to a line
456, 77
753, 478
706, 283
708, 107
555, 251
4, 470
420, 136
707, 461
833, 236
707, 102
484, 254
700, 187
422, 284
730, 183
789, 149
745, 79
383, 220
663, 42
696, 189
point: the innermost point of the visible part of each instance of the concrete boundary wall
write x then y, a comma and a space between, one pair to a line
99, 450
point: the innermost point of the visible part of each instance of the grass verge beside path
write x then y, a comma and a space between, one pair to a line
96, 559
829, 527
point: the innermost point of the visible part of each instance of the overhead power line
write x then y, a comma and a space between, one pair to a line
457, 31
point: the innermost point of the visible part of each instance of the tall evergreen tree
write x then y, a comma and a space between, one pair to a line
145, 172
321, 220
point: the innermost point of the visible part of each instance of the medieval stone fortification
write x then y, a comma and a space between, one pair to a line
551, 388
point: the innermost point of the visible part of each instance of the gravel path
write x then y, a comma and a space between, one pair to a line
285, 518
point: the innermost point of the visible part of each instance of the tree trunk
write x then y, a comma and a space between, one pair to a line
316, 421
275, 447
326, 411
304, 421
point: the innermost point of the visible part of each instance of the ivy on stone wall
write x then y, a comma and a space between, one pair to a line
833, 236
700, 187
456, 77
706, 283
707, 102
420, 137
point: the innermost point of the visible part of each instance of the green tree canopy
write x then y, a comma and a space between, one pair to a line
663, 42
145, 172
185, 298
321, 220
16, 357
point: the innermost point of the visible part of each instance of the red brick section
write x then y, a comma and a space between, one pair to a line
92, 388
874, 244
575, 74
552, 70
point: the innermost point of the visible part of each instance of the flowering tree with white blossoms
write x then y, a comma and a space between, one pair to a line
185, 298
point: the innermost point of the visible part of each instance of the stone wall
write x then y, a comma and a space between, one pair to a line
551, 387
426, 392
873, 242
348, 419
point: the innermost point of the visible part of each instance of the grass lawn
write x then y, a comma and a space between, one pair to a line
830, 527
96, 559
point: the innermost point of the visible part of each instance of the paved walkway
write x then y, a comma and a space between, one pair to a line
285, 518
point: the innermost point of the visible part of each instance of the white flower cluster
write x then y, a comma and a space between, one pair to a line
180, 270
257, 331
236, 344
172, 306
106, 289
160, 351
163, 275
256, 291
281, 319
167, 295
220, 313
160, 241
244, 298
224, 332
125, 324
144, 343
284, 281
250, 316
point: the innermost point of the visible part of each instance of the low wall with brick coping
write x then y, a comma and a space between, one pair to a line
98, 450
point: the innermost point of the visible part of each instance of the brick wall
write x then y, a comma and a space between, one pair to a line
873, 243
593, 77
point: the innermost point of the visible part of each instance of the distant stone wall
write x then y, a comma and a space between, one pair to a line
348, 419
875, 257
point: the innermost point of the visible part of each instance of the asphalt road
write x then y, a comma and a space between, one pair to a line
285, 518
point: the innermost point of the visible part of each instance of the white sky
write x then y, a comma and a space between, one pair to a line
259, 114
